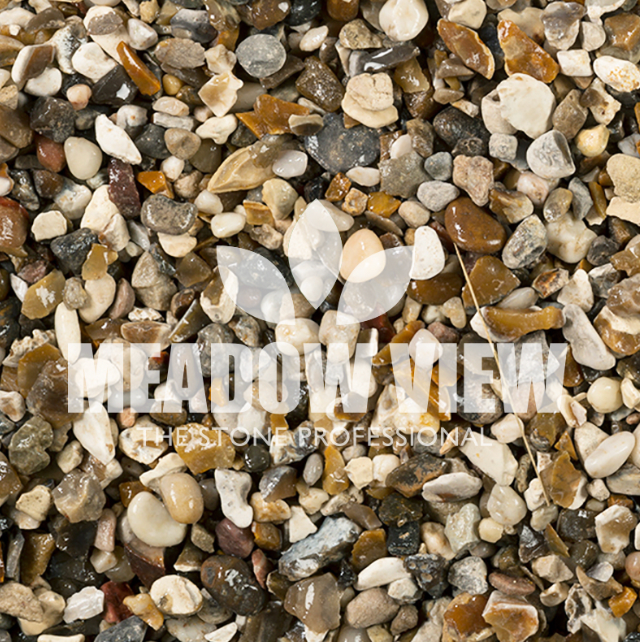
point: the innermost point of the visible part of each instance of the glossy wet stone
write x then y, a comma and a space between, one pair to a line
437, 290
472, 229
315, 602
491, 281
232, 584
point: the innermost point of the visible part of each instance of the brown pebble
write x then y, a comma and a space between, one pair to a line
472, 229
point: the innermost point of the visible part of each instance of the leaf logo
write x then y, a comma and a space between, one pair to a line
259, 288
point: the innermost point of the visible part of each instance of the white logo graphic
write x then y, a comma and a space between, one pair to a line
315, 252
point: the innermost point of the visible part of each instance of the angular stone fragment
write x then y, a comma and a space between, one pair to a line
409, 478
513, 618
315, 602
466, 44
328, 545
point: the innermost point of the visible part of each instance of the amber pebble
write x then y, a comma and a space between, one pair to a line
554, 541
265, 13
463, 618
228, 38
343, 10
573, 375
15, 223
623, 33
522, 55
472, 229
614, 336
561, 480
37, 551
128, 490
410, 77
338, 188
267, 536
203, 449
371, 545
334, 476
270, 115
97, 262
192, 269
466, 44
258, 214
491, 280
565, 445
50, 154
142, 605
31, 363
156, 183
382, 204
628, 260
437, 290
171, 84
544, 428
622, 603
318, 83
43, 297
145, 80
513, 324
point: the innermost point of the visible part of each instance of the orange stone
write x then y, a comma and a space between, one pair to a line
227, 38
573, 375
258, 214
463, 618
334, 476
156, 183
128, 490
371, 545
437, 290
561, 480
267, 536
466, 44
343, 10
513, 324
270, 115
145, 80
338, 188
382, 204
410, 77
203, 449
622, 603
522, 55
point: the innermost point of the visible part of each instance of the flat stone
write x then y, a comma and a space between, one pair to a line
370, 607
402, 176
167, 216
621, 75
53, 118
261, 55
587, 347
526, 244
436, 195
469, 575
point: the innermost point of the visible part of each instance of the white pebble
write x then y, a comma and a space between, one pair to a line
176, 595
428, 254
403, 20
227, 224
314, 38
93, 431
233, 488
84, 158
48, 83
365, 176
218, 129
381, 572
84, 605
114, 141
604, 395
150, 521
48, 225
575, 62
610, 455
91, 61
290, 163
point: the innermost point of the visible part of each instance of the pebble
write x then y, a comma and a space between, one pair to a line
114, 141
624, 172
315, 602
587, 347
613, 527
338, 149
428, 254
505, 506
151, 522
164, 215
621, 75
604, 395
84, 158
182, 497
527, 243
451, 487
91, 61
233, 488
403, 20
176, 595
469, 575
362, 257
610, 455
526, 104
436, 195
549, 156
261, 55
439, 166
370, 607
475, 176
84, 604
472, 229
53, 118
231, 583
290, 164
461, 528
569, 239
49, 225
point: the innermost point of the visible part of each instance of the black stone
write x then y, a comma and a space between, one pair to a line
114, 89
151, 142
453, 126
130, 630
601, 250
387, 58
574, 525
430, 572
267, 626
74, 539
53, 118
71, 250
396, 510
303, 11
532, 545
584, 553
403, 540
338, 149
256, 458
